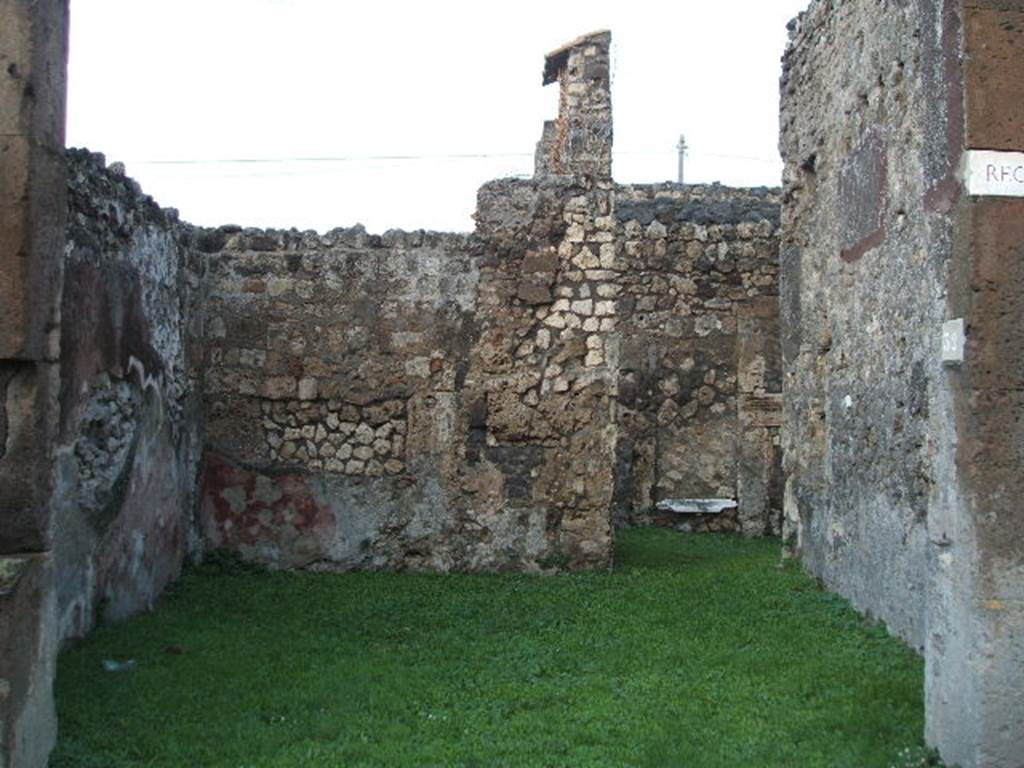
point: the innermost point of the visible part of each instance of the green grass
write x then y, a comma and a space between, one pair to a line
696, 651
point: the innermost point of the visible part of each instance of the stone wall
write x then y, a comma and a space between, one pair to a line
438, 401
864, 263
33, 47
903, 458
423, 400
412, 400
100, 437
326, 356
128, 448
700, 377
975, 644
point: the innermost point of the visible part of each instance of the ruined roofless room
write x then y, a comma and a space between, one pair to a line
825, 373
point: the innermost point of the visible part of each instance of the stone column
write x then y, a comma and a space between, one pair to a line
33, 63
975, 641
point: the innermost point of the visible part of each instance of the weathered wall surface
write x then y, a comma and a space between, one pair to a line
128, 447
420, 400
903, 476
864, 262
414, 400
475, 402
975, 653
579, 141
700, 372
325, 356
33, 48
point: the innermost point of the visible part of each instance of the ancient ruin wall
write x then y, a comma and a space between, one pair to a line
325, 358
975, 652
903, 471
424, 400
481, 402
128, 447
411, 400
864, 256
700, 370
33, 46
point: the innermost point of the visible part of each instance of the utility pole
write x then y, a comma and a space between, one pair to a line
682, 155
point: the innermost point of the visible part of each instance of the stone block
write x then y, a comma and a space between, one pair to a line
279, 387
307, 389
533, 292
542, 261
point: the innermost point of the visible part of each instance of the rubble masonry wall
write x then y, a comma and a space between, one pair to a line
425, 400
129, 442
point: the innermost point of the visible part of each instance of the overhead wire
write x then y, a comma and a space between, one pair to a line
415, 158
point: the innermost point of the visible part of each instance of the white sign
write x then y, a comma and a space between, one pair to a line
995, 173
953, 341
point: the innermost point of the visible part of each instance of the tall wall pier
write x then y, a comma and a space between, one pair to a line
901, 290
33, 48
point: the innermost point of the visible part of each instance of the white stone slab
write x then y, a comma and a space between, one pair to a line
696, 506
995, 173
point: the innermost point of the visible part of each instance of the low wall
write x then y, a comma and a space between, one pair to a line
325, 357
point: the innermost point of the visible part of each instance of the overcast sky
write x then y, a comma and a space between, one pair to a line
393, 113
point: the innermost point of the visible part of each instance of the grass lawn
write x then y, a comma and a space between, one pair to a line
696, 651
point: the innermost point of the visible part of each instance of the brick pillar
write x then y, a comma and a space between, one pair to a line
975, 650
33, 64
579, 142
